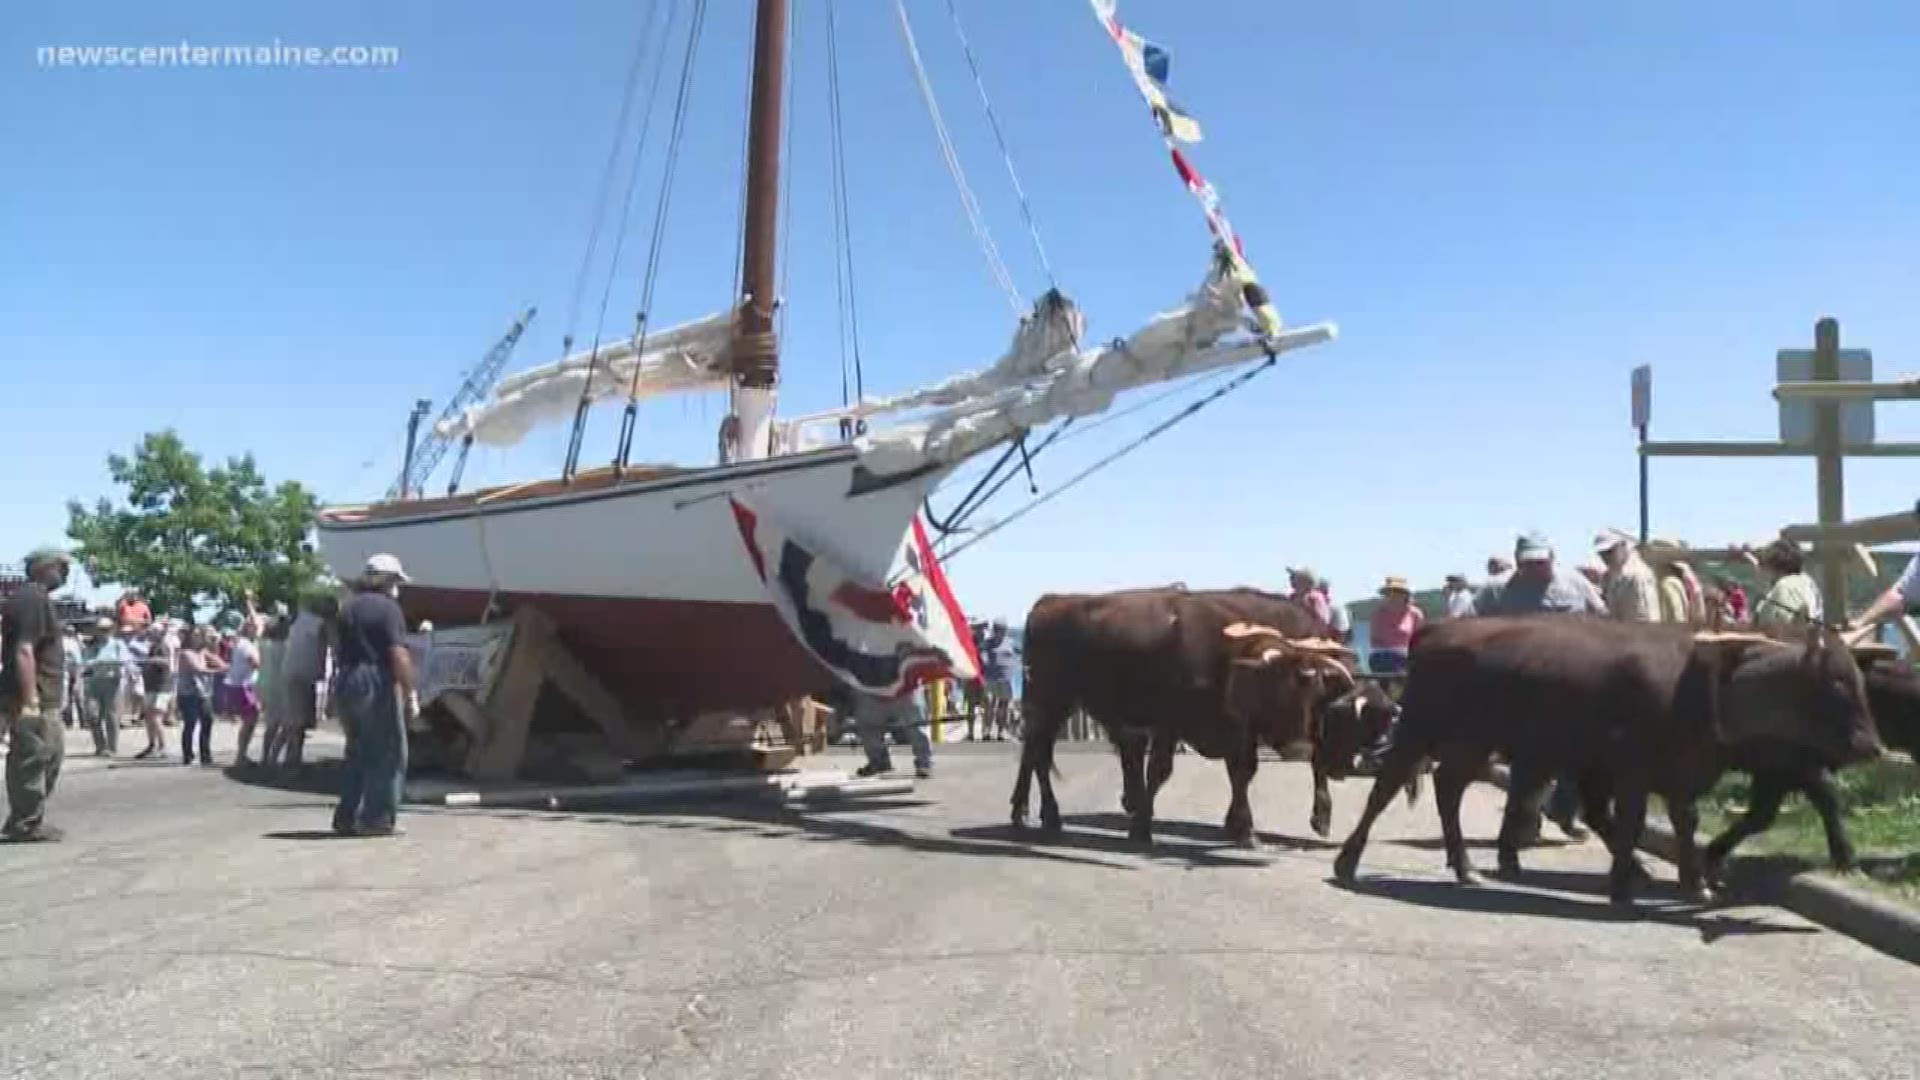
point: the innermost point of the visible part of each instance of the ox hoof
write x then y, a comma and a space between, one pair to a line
1346, 866
1321, 823
1509, 869
1465, 875
1247, 842
1697, 893
1140, 841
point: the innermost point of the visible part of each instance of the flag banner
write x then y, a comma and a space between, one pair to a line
1149, 63
884, 640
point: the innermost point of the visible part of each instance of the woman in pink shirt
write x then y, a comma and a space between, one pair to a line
1390, 631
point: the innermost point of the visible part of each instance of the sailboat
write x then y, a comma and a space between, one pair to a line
802, 555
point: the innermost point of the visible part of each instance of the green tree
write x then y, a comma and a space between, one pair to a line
191, 537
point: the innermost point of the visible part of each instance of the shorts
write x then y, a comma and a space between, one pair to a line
159, 701
999, 686
244, 702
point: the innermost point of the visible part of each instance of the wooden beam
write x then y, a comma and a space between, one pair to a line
1769, 449
1886, 529
1847, 391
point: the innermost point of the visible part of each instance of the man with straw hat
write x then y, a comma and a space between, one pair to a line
33, 684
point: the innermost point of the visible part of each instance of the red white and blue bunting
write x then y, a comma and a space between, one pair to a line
1149, 65
884, 641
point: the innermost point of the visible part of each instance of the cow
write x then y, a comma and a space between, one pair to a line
1158, 667
1642, 708
1353, 727
1893, 695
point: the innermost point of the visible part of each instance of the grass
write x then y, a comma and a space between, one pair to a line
1882, 804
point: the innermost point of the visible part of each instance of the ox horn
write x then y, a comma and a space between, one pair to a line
1246, 630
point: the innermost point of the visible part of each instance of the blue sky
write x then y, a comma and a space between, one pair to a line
1505, 206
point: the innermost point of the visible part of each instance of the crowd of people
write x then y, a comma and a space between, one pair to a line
264, 674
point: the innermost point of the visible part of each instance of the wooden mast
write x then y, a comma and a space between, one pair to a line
756, 348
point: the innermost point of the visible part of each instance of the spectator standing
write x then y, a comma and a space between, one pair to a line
155, 656
375, 675
1390, 631
33, 684
1499, 568
1338, 619
1794, 599
1536, 586
304, 665
1902, 594
878, 719
199, 667
1734, 595
106, 668
74, 656
272, 684
1631, 593
1305, 591
243, 689
1457, 597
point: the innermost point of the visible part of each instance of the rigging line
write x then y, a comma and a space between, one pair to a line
1000, 138
1151, 433
578, 435
675, 140
846, 212
740, 206
842, 235
947, 152
640, 48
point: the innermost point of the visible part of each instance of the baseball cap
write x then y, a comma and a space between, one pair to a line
384, 563
1608, 539
1532, 547
47, 554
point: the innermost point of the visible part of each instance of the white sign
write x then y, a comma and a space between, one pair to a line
1796, 414
1642, 395
465, 658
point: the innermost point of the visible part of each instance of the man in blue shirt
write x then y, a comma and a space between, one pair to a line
375, 670
1537, 586
1895, 601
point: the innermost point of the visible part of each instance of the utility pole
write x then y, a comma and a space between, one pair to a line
1830, 476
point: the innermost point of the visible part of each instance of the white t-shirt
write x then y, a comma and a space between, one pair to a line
243, 663
1909, 583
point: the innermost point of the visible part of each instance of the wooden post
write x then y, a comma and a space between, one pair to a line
1830, 479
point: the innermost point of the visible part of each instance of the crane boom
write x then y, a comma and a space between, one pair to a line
478, 384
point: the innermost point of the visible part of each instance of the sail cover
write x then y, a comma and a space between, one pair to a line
693, 356
1025, 391
878, 639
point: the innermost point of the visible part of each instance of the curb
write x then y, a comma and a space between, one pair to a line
1868, 919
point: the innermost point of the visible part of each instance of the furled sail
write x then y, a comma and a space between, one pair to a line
693, 356
1024, 391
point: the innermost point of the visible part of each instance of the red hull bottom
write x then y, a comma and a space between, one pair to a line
666, 658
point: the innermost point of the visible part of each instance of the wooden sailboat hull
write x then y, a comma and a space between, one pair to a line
647, 580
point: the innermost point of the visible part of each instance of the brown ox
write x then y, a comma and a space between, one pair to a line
1156, 668
1650, 708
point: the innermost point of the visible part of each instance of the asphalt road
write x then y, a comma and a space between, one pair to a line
190, 928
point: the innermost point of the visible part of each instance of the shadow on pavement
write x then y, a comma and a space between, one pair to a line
305, 834
311, 778
1435, 843
1198, 831
1657, 905
825, 823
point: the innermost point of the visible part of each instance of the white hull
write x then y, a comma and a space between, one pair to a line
673, 538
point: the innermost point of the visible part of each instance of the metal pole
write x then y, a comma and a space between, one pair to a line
1643, 485
1830, 483
420, 408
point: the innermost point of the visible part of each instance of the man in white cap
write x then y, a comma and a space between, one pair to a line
374, 669
1632, 593
1537, 586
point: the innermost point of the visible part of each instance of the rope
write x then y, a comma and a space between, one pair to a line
967, 201
674, 141
1152, 433
1000, 139
640, 48
846, 291
786, 185
579, 433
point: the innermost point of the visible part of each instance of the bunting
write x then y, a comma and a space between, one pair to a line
1149, 65
878, 639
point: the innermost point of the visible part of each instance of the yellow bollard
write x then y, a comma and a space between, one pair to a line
937, 706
